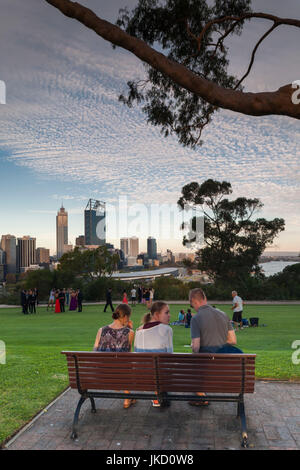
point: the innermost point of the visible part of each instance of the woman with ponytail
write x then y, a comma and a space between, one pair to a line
155, 335
117, 337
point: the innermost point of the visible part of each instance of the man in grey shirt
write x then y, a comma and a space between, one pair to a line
211, 329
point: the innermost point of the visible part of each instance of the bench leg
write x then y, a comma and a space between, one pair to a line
242, 415
74, 434
93, 405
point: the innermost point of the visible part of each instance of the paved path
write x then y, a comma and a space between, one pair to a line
273, 415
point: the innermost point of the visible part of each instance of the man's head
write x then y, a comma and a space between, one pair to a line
234, 293
197, 298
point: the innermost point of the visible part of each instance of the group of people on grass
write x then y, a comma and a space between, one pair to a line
29, 300
184, 319
211, 331
59, 299
138, 294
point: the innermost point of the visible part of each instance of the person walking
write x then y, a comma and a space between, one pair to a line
237, 307
109, 300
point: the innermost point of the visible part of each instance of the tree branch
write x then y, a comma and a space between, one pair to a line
255, 104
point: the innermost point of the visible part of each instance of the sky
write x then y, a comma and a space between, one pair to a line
65, 138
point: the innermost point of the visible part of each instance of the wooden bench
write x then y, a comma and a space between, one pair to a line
163, 376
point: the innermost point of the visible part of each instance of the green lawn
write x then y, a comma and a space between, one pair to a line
35, 372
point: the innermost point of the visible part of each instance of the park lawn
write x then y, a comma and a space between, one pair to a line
35, 372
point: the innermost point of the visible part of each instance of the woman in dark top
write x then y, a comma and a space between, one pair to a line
117, 337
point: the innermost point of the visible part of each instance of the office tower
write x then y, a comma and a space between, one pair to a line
2, 265
80, 241
42, 255
133, 246
151, 248
61, 232
9, 245
95, 223
124, 246
25, 252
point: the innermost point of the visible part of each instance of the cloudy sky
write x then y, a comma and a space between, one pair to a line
65, 137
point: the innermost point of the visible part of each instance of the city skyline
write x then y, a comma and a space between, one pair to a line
65, 137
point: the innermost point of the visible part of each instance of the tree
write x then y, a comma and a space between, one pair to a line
89, 264
187, 83
233, 241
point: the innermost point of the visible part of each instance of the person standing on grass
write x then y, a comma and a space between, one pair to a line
79, 300
24, 302
237, 307
62, 299
133, 296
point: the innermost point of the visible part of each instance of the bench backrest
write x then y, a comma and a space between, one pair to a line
162, 372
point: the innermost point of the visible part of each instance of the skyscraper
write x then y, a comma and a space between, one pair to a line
61, 231
9, 245
25, 252
133, 246
124, 246
95, 223
151, 248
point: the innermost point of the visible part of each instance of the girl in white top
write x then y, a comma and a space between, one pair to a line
155, 335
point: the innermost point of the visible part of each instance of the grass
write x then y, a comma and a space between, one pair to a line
35, 372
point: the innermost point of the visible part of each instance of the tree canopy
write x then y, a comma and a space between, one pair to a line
233, 240
183, 46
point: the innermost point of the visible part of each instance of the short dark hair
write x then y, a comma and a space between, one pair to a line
197, 293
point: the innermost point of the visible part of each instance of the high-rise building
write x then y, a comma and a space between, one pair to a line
9, 245
124, 246
25, 252
61, 232
95, 223
151, 248
42, 255
133, 246
2, 265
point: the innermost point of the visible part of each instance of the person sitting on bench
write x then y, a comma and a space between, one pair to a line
155, 335
117, 337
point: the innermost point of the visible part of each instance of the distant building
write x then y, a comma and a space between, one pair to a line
61, 232
95, 223
25, 253
42, 255
80, 241
9, 245
151, 248
131, 261
133, 246
2, 265
124, 246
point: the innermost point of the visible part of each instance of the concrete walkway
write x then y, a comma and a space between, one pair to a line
273, 417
